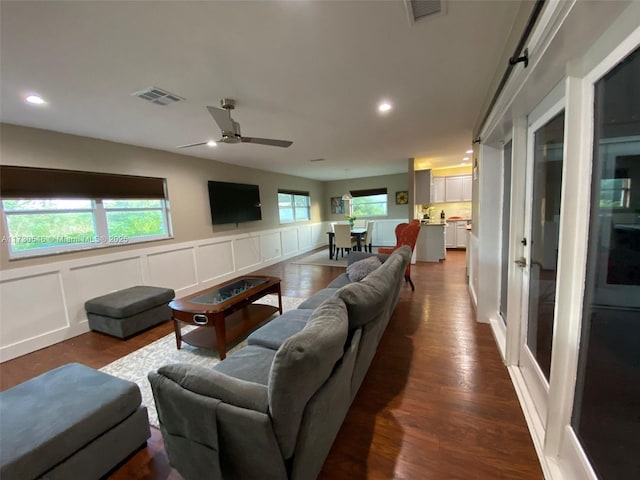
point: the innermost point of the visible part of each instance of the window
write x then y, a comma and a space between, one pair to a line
615, 192
39, 222
135, 219
369, 203
294, 206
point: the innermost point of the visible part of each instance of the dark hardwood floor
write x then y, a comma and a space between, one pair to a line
437, 402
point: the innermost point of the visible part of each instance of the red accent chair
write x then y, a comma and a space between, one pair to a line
406, 234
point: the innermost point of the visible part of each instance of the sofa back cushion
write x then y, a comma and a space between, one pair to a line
302, 365
364, 302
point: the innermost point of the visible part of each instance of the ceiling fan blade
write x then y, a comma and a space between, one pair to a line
192, 145
267, 141
222, 118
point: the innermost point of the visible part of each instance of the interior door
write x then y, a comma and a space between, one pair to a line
541, 239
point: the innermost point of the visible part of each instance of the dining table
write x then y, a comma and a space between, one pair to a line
358, 233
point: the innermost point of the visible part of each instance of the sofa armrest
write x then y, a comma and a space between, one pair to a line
214, 384
357, 256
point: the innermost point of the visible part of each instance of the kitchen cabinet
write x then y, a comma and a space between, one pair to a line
455, 188
423, 187
450, 235
456, 234
437, 189
461, 235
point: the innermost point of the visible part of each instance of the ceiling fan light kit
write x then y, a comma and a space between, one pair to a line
231, 129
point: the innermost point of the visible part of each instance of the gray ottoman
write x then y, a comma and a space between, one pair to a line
129, 311
71, 422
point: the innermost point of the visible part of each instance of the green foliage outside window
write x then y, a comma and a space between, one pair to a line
370, 206
64, 224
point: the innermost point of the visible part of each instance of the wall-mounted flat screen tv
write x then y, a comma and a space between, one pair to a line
234, 202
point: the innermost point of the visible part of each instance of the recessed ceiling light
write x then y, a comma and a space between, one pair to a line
384, 107
469, 151
34, 100
465, 159
211, 143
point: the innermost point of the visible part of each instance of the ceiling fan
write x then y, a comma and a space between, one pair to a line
231, 129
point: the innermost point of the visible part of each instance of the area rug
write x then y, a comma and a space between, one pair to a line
322, 258
138, 364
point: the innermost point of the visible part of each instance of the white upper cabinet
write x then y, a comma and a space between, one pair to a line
437, 190
453, 189
456, 188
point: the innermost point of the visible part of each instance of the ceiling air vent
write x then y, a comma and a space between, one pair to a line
157, 96
419, 9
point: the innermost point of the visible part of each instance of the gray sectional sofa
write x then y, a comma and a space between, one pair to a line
272, 409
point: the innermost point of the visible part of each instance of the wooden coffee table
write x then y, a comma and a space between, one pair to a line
224, 312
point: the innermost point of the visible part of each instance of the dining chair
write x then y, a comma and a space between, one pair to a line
343, 238
406, 234
360, 224
368, 236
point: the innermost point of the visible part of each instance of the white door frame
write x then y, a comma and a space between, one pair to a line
533, 376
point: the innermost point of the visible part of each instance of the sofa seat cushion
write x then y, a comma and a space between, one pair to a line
49, 418
251, 363
302, 365
128, 302
279, 329
317, 298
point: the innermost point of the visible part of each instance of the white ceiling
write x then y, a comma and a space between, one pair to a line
301, 70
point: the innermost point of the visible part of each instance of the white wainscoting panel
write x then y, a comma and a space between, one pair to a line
89, 281
270, 246
304, 237
31, 307
246, 252
173, 269
214, 260
44, 304
319, 233
289, 241
384, 232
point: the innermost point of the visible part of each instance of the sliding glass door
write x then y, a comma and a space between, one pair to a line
606, 413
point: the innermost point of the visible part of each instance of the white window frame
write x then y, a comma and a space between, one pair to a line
292, 198
100, 239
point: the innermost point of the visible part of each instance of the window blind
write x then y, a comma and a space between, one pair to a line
30, 182
368, 192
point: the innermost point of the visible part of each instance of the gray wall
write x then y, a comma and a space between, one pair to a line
186, 182
393, 184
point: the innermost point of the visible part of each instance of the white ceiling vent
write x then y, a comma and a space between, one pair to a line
157, 96
419, 9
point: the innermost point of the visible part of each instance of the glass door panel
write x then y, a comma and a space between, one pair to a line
606, 412
546, 191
